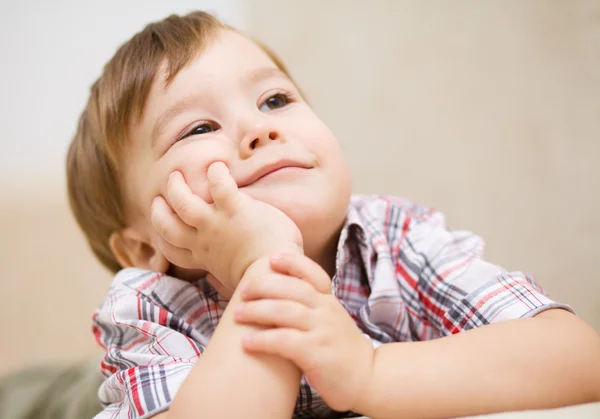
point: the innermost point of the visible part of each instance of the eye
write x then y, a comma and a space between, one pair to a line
204, 128
276, 101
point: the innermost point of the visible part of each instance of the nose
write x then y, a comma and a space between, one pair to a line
259, 134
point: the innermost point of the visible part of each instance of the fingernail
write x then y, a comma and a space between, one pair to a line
244, 291
247, 340
239, 311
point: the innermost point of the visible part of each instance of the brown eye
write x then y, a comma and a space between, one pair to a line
275, 102
202, 129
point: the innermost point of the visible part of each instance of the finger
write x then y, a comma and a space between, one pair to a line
168, 224
280, 287
221, 185
288, 343
189, 207
275, 313
303, 268
177, 255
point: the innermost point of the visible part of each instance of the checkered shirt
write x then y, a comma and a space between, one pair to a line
400, 273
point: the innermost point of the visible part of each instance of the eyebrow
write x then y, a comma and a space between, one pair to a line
189, 100
171, 113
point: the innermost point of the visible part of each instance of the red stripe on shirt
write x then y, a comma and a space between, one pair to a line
135, 391
163, 315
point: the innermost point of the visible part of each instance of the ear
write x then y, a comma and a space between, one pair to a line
132, 249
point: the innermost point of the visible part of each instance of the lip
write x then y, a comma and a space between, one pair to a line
270, 168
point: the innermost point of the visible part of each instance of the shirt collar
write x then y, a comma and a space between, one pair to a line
354, 230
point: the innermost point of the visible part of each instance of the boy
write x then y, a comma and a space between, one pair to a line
252, 273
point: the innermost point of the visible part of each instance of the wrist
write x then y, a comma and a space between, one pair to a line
366, 396
258, 265
239, 269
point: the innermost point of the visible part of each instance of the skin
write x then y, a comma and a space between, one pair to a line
550, 360
248, 115
199, 203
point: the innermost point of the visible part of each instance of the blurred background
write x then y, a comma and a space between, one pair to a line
487, 111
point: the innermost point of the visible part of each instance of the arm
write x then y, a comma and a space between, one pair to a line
550, 360
230, 383
154, 359
492, 358
547, 361
230, 239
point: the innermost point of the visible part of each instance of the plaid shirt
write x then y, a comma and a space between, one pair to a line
400, 272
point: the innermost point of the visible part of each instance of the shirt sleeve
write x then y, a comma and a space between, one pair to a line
452, 288
150, 343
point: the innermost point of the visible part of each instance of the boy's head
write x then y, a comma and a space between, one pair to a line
183, 93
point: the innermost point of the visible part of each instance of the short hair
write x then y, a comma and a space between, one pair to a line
117, 99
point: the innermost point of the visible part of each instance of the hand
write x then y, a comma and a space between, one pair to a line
225, 237
309, 326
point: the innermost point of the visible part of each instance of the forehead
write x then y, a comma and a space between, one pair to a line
228, 60
229, 55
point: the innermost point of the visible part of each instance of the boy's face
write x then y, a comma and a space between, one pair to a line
233, 104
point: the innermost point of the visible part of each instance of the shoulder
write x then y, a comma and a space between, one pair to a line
392, 217
128, 289
409, 227
146, 302
387, 208
154, 287
152, 328
136, 280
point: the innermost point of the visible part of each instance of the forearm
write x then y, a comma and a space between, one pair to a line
230, 383
547, 361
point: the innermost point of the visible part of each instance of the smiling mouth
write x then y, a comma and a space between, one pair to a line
272, 168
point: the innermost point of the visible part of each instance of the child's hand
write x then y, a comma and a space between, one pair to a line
309, 327
225, 237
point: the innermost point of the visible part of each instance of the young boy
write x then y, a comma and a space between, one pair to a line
255, 284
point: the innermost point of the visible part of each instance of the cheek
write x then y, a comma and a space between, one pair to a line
323, 143
317, 136
193, 160
333, 160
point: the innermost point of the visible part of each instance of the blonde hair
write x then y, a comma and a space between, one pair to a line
116, 100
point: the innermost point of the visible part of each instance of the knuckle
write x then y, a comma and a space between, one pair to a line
182, 207
155, 217
296, 312
265, 338
320, 339
256, 287
280, 337
250, 287
156, 212
307, 291
250, 310
163, 231
259, 311
160, 225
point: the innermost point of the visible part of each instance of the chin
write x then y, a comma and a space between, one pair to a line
321, 213
316, 206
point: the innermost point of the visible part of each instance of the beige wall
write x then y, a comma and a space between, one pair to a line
488, 111
50, 283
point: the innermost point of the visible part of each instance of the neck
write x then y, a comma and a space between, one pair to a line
326, 251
